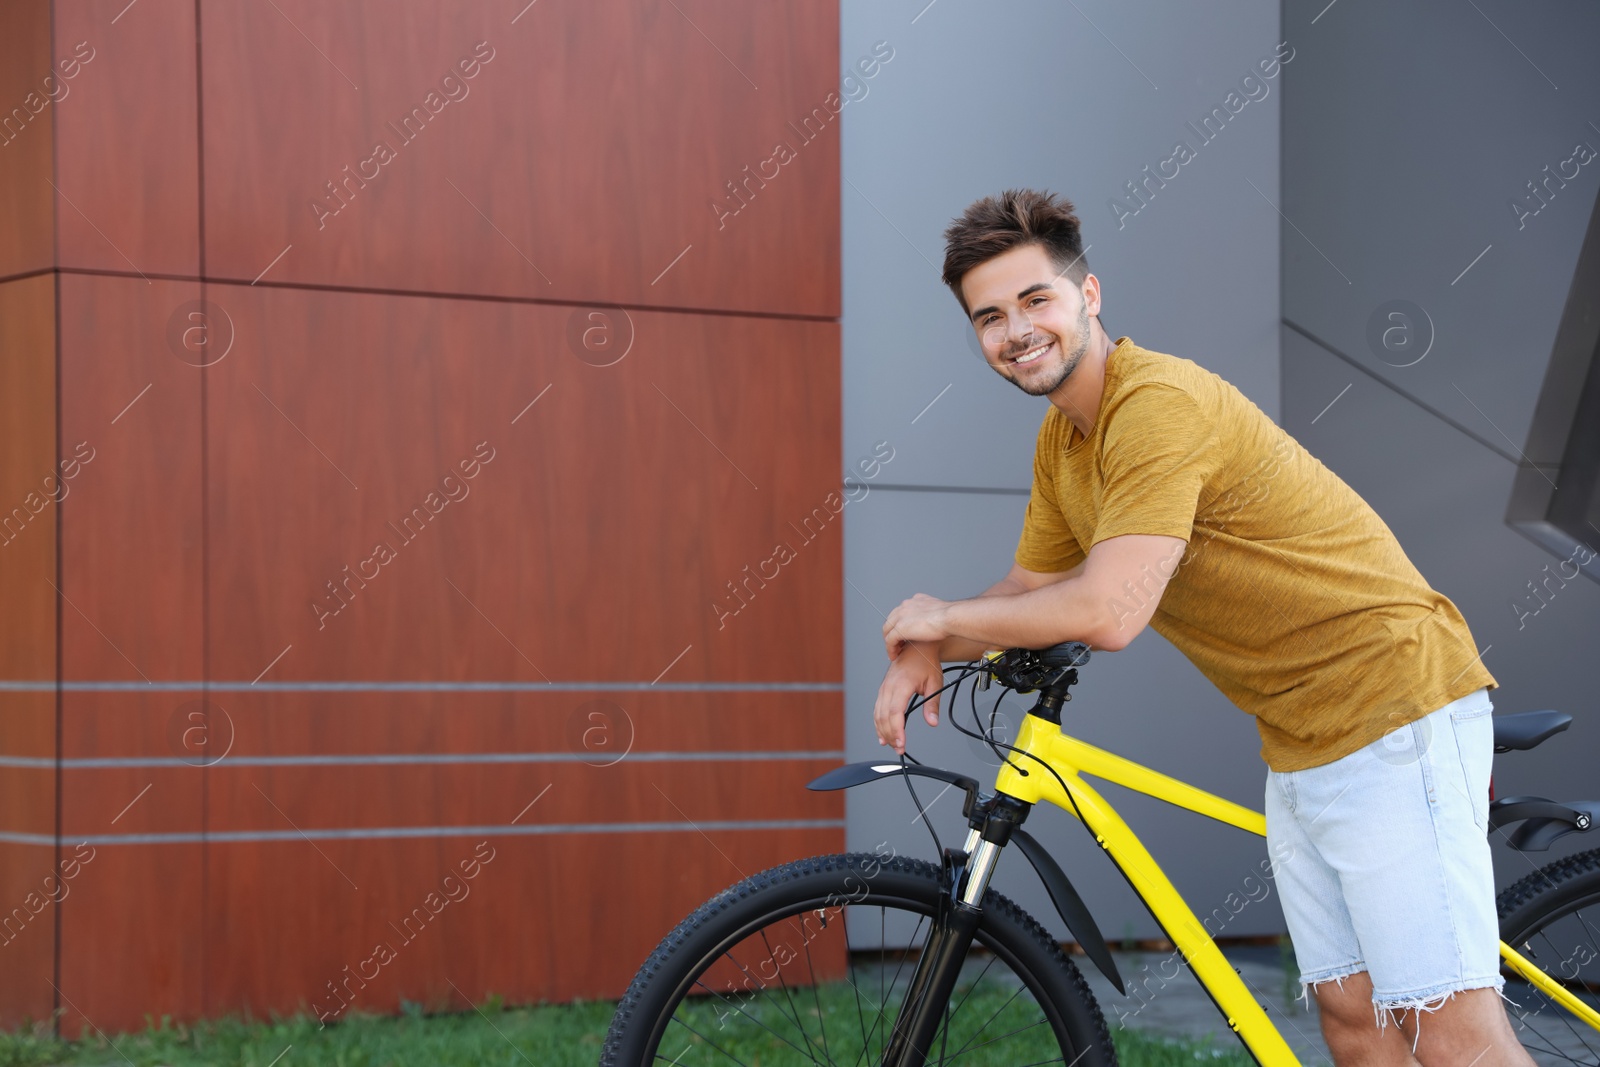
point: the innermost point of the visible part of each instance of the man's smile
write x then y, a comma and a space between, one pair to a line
1032, 354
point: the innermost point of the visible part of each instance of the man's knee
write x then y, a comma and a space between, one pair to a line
1346, 1001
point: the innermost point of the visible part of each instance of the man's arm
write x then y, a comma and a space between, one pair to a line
916, 668
1105, 606
1019, 580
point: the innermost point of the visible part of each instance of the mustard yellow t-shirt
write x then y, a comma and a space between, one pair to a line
1293, 597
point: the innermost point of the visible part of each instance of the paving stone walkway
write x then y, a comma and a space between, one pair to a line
1166, 999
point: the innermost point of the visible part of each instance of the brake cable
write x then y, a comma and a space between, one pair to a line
917, 700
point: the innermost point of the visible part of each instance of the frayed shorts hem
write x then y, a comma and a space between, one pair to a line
1433, 997
1328, 974
1430, 999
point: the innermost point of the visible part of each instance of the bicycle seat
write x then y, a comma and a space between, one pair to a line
1525, 729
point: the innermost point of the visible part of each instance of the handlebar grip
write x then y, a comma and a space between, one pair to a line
1066, 654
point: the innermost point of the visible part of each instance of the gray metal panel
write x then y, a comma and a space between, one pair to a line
1050, 104
1409, 128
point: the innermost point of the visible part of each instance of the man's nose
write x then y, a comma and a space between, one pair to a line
1019, 327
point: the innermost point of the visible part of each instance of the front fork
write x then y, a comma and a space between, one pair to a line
965, 879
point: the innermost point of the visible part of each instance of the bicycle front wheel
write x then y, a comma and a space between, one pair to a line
1552, 918
808, 963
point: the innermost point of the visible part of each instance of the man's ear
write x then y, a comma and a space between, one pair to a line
1090, 291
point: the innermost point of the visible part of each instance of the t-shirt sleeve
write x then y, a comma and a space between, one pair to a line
1047, 544
1159, 450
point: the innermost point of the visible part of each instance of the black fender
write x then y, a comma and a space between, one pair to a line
1546, 822
854, 774
1074, 912
1068, 903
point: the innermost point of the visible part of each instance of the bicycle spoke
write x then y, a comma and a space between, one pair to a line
763, 987
787, 995
851, 965
973, 988
816, 999
1561, 1013
989, 1020
997, 1040
708, 1041
892, 983
740, 1011
881, 1017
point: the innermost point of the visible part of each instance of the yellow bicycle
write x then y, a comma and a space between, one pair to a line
867, 958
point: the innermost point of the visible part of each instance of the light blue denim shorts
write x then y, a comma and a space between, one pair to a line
1382, 861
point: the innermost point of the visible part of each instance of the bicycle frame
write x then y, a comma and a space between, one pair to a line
1072, 758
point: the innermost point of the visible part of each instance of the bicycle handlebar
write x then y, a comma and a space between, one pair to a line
1026, 669
1049, 670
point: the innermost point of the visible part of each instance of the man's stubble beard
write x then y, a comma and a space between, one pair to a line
1069, 363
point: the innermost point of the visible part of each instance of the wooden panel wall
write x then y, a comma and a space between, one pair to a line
29, 492
587, 150
27, 134
464, 503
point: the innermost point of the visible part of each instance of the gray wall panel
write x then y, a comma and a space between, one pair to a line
1053, 105
1408, 130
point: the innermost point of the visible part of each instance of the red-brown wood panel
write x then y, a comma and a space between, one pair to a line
30, 886
28, 793
131, 800
591, 148
280, 799
300, 916
27, 121
131, 936
131, 527
127, 153
131, 583
30, 485
599, 726
597, 538
560, 491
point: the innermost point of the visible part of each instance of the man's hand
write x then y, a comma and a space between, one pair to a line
915, 670
919, 619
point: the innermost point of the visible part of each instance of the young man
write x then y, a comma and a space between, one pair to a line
1162, 496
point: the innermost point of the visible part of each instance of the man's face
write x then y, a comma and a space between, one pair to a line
1032, 323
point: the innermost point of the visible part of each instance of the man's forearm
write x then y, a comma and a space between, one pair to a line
961, 649
1064, 611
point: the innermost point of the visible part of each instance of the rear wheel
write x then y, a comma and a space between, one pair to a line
808, 964
1552, 917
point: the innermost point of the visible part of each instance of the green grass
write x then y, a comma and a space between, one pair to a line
544, 1036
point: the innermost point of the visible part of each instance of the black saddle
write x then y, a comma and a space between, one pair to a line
1525, 729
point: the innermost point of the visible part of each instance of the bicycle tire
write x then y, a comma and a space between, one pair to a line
1006, 934
1552, 917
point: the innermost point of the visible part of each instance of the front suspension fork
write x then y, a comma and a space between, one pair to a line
966, 879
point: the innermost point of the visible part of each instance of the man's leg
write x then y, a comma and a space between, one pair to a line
1470, 1029
1351, 1031
1404, 823
1325, 946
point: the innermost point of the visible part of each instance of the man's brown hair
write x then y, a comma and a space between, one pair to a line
1016, 217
